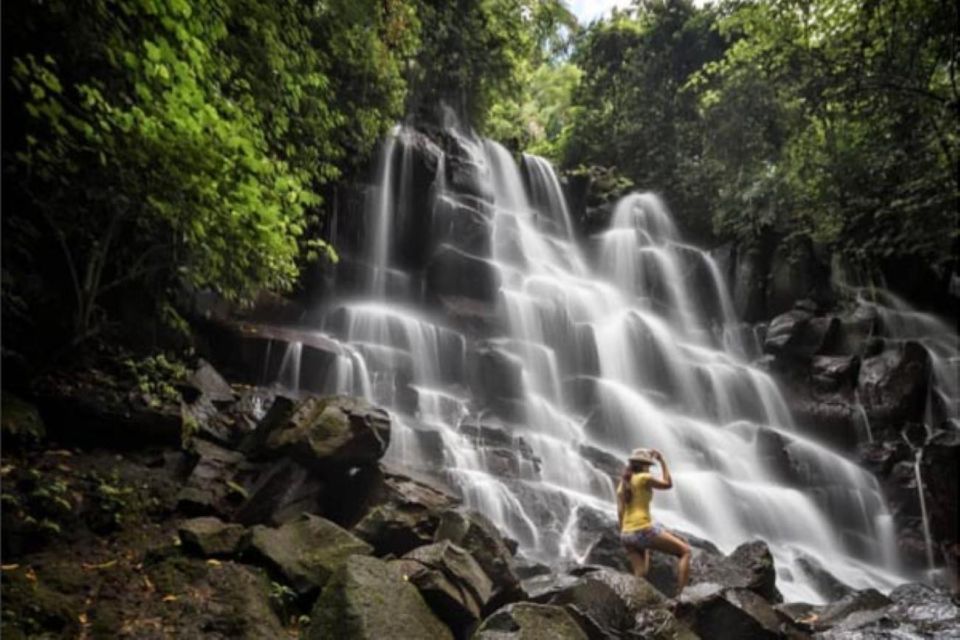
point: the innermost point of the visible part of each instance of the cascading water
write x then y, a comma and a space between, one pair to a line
524, 368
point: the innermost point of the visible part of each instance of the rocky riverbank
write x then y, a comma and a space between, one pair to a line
231, 512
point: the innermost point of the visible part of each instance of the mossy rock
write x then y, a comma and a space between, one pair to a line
31, 608
367, 599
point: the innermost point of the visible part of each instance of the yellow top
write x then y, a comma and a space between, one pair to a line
636, 513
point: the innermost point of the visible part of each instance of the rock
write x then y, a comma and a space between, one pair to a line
93, 408
306, 551
727, 614
326, 435
750, 566
465, 227
857, 328
595, 604
840, 371
749, 284
799, 334
476, 534
941, 478
913, 611
893, 386
496, 374
211, 536
227, 600
450, 581
207, 381
865, 600
208, 490
794, 274
281, 493
21, 423
455, 273
368, 599
822, 580
528, 621
403, 514
466, 177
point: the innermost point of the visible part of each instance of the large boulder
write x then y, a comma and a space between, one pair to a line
279, 493
455, 273
893, 385
728, 614
306, 551
327, 435
450, 581
209, 488
496, 374
750, 566
368, 599
645, 604
852, 603
941, 477
402, 514
529, 621
210, 536
476, 534
794, 274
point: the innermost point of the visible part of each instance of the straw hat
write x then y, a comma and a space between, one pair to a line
641, 455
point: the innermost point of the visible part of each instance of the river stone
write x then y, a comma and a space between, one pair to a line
330, 434
529, 621
450, 581
368, 599
596, 605
211, 536
306, 551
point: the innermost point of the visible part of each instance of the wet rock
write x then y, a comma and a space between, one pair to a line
306, 551
794, 274
476, 534
857, 328
728, 614
497, 374
528, 621
403, 514
455, 273
465, 227
210, 536
941, 477
749, 283
799, 334
836, 371
326, 435
822, 580
893, 385
750, 566
467, 177
368, 599
450, 581
858, 601
472, 317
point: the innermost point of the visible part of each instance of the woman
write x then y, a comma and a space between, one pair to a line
638, 532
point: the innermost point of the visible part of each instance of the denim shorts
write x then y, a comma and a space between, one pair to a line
641, 538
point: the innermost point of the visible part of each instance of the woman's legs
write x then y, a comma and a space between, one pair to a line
669, 543
639, 560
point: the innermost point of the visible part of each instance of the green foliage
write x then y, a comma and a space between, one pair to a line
155, 378
632, 113
171, 144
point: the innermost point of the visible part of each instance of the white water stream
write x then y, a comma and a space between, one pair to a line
626, 342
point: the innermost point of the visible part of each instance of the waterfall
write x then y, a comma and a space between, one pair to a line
528, 357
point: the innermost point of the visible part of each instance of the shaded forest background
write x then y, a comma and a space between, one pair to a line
156, 148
